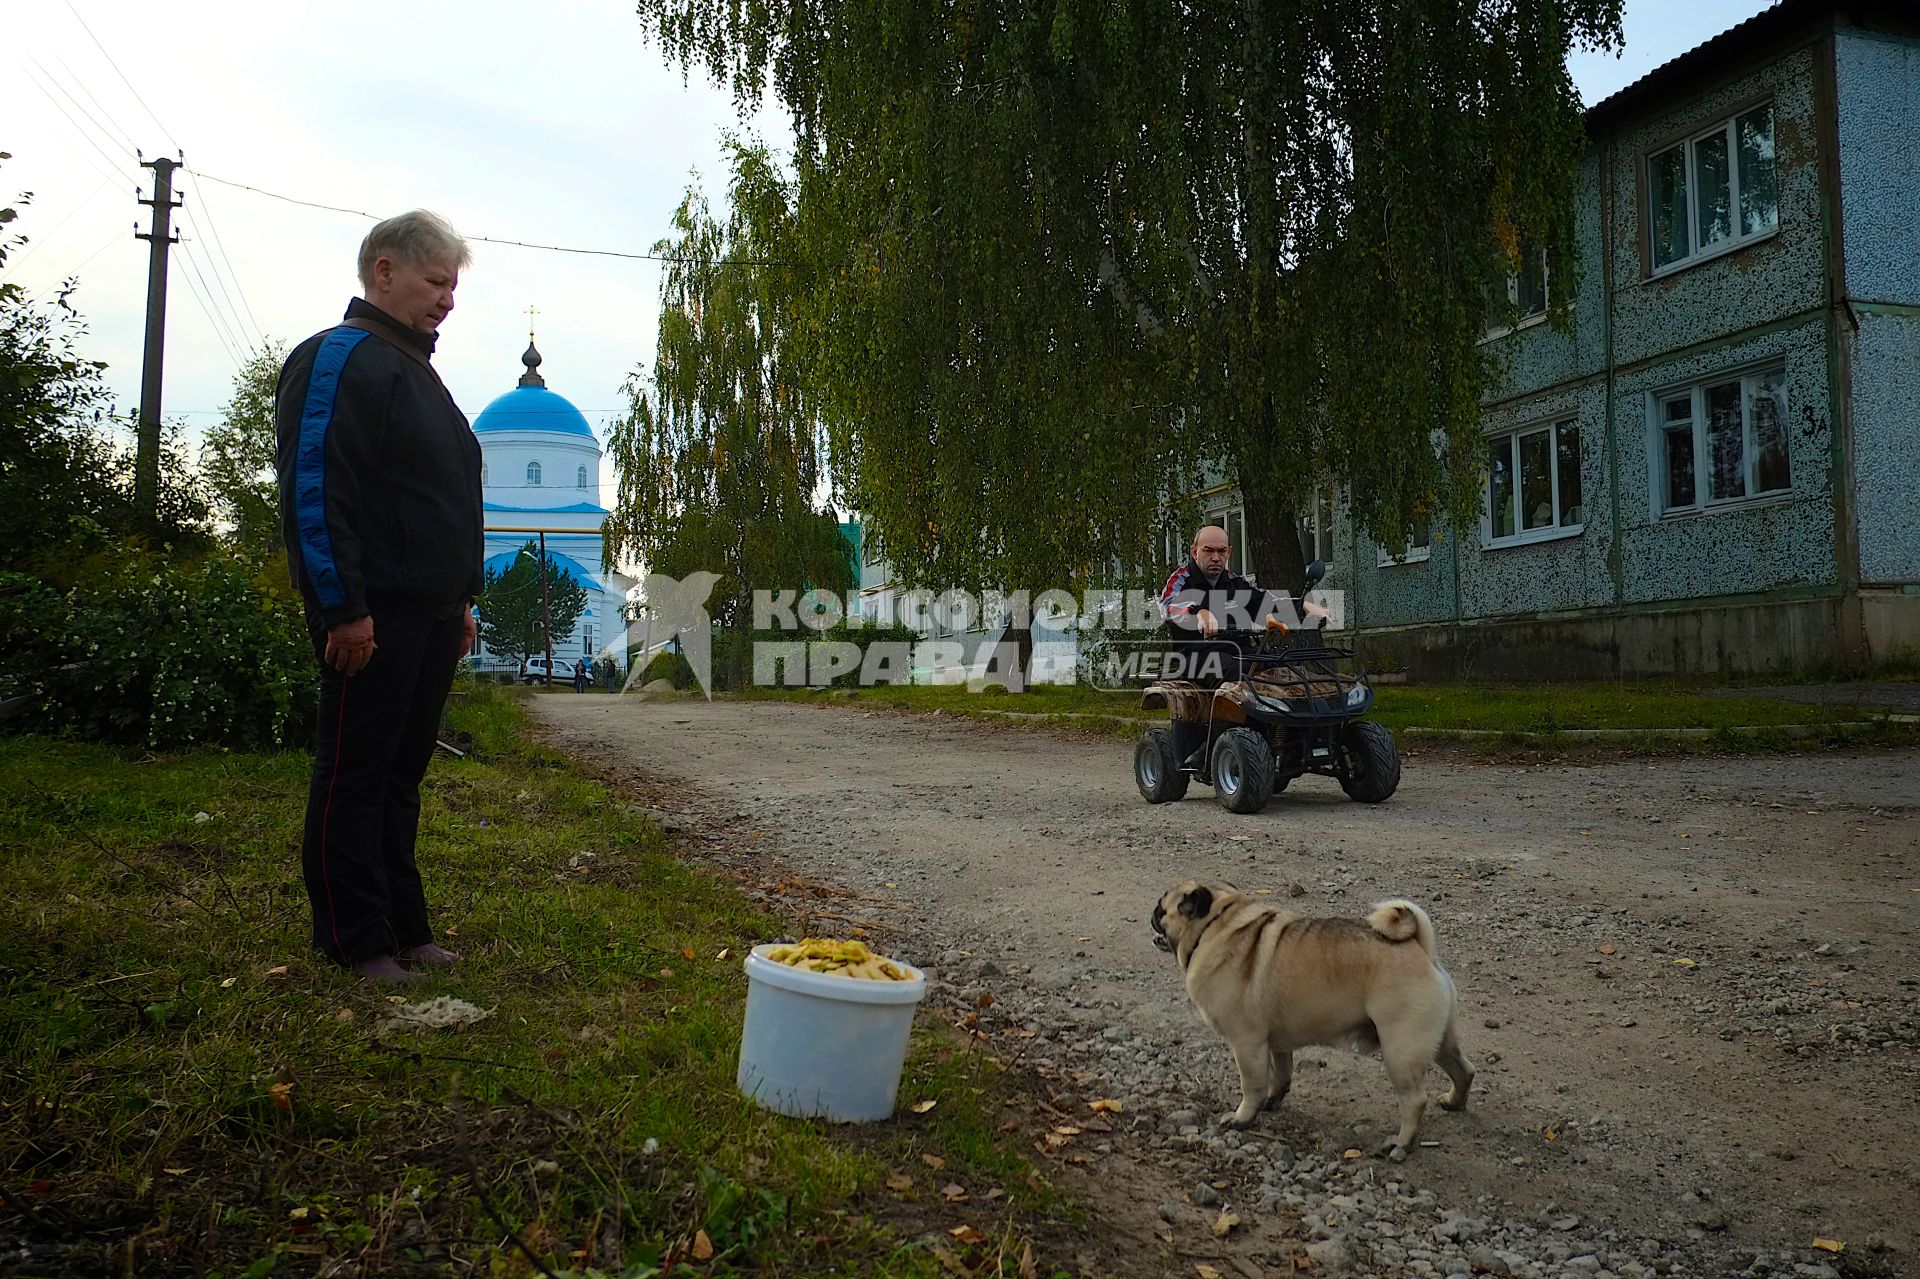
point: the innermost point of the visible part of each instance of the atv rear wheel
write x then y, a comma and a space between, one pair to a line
1156, 768
1373, 762
1242, 771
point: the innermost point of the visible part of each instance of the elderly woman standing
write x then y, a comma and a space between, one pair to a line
379, 477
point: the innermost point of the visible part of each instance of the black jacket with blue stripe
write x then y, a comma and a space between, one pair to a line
379, 475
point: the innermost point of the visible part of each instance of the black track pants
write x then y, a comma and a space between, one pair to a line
374, 737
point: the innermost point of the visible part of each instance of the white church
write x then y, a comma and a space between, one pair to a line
540, 473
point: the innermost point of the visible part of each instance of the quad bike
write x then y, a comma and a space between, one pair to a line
1295, 711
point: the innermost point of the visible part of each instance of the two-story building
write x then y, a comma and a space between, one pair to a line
1717, 468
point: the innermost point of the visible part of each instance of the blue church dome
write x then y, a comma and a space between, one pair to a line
530, 406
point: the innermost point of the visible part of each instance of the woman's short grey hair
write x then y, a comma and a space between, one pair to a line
416, 238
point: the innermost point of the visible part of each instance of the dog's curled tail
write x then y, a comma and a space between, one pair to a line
1400, 920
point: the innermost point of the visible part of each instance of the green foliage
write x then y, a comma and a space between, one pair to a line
722, 452
1060, 254
66, 488
160, 652
237, 461
727, 644
511, 621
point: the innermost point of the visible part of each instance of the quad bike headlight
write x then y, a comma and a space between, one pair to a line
1275, 704
1356, 695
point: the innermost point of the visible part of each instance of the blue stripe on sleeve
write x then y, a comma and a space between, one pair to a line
310, 466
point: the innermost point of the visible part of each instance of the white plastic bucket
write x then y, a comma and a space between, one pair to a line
831, 1047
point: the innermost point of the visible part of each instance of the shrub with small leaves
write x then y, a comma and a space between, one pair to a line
164, 653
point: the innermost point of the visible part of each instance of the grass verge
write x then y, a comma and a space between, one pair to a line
186, 1089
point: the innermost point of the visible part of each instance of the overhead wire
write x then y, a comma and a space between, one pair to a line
201, 196
124, 138
252, 338
40, 239
87, 137
222, 328
123, 75
208, 312
75, 272
483, 239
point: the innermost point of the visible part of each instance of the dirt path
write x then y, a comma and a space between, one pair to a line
1689, 984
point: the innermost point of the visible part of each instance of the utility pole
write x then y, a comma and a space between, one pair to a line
546, 627
146, 457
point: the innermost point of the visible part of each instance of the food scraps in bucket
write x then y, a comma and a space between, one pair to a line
838, 959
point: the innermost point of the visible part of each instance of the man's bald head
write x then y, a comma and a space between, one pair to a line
1210, 549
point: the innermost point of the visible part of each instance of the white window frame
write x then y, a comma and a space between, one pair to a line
1749, 454
1740, 238
1412, 553
581, 476
533, 475
1526, 537
1531, 318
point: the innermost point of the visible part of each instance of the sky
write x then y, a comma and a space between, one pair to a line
566, 128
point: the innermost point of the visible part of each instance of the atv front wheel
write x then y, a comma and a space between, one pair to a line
1373, 762
1242, 771
1156, 768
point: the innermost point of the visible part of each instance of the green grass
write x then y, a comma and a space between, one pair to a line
1499, 708
157, 996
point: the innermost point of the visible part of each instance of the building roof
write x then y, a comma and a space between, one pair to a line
533, 408
1767, 31
578, 508
567, 565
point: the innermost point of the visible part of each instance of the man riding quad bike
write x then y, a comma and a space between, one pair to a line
1254, 706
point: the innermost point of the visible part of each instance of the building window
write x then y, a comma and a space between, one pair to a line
1533, 484
1316, 529
587, 642
582, 480
1234, 520
1419, 548
1713, 192
1723, 441
533, 474
483, 473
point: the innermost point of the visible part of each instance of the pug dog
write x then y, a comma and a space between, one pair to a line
1271, 981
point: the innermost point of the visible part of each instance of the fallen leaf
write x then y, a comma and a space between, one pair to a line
1552, 1134
1586, 832
1352, 1152
1225, 1222
954, 1193
985, 1000
228, 982
298, 1214
1067, 1130
702, 1246
1205, 1271
899, 1182
934, 1162
686, 952
726, 952
1684, 963
1105, 1106
175, 1172
280, 971
995, 1193
282, 1095
1029, 1269
967, 1234
922, 1107
952, 1264
450, 931
1606, 950
345, 1014
1263, 892
1829, 1245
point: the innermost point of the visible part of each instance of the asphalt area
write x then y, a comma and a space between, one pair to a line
1689, 983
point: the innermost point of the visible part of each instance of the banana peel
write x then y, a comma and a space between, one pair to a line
838, 958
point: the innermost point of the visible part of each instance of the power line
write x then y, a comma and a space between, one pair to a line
68, 275
39, 242
125, 138
219, 322
107, 131
487, 239
208, 312
117, 71
87, 137
233, 312
218, 244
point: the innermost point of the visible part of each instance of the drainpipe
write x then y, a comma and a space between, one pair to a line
1850, 637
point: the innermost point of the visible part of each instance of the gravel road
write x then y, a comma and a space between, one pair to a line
1689, 983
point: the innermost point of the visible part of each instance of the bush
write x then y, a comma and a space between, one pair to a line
159, 653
